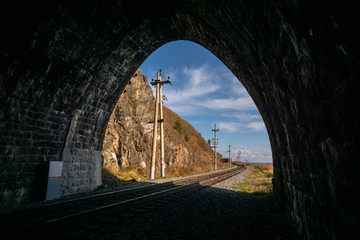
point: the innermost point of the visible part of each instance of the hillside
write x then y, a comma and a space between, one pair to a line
128, 139
201, 153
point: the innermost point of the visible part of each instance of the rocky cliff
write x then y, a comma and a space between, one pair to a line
128, 139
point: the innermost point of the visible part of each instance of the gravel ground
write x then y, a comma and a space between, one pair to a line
162, 180
216, 212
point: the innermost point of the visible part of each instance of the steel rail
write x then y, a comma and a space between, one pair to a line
121, 199
204, 180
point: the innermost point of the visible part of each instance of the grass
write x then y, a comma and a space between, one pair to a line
259, 182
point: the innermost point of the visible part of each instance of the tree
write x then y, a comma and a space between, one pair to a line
179, 127
209, 141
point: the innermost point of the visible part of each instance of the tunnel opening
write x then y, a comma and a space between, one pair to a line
204, 92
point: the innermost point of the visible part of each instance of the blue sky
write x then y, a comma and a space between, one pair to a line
204, 93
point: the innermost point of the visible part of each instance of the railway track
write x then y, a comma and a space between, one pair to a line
82, 209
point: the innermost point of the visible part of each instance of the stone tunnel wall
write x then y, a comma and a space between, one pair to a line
64, 65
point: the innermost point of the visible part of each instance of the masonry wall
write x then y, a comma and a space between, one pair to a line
63, 65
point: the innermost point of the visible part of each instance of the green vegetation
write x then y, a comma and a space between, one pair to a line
259, 182
180, 129
187, 137
179, 126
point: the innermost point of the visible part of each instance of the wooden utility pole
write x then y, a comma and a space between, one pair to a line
153, 154
215, 143
158, 102
229, 155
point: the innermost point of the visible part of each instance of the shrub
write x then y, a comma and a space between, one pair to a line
179, 127
187, 137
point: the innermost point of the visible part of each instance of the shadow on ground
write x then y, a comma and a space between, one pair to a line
212, 213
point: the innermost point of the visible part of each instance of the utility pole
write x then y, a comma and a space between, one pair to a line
158, 103
162, 131
152, 165
238, 156
229, 155
215, 143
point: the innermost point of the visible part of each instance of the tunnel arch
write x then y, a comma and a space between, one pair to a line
109, 69
129, 156
64, 65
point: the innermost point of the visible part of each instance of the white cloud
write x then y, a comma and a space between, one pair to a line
237, 88
199, 83
237, 126
202, 87
186, 98
245, 117
203, 90
256, 126
240, 103
258, 156
229, 126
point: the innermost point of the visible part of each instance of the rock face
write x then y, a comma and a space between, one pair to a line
128, 131
128, 138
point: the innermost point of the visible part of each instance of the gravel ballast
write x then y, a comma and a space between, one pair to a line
216, 212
